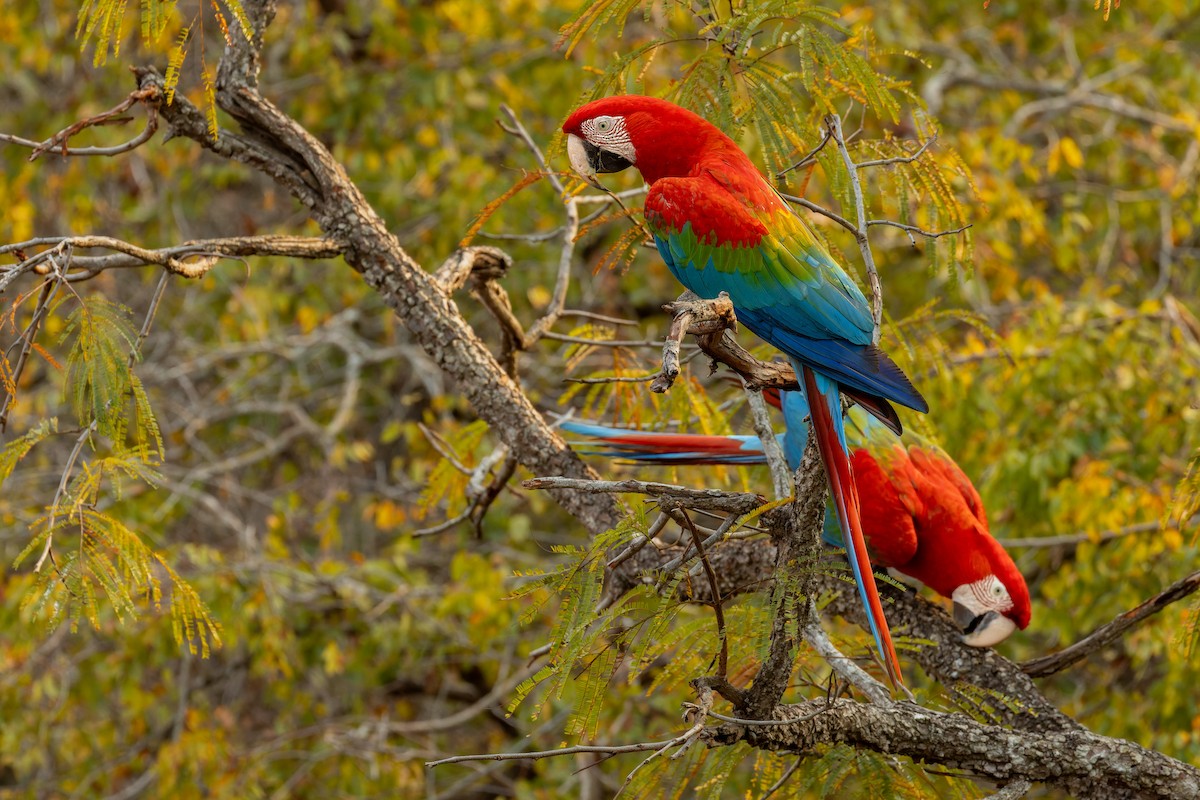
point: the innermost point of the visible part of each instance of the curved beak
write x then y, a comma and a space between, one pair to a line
983, 630
587, 159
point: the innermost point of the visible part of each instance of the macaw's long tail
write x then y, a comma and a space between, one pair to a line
645, 447
826, 412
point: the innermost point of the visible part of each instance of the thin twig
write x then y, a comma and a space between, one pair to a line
58, 141
668, 496
716, 536
683, 741
1110, 632
563, 751
911, 229
1104, 536
834, 124
806, 158
640, 541
443, 447
723, 658
764, 723
62, 489
562, 337
816, 209
569, 230
27, 338
883, 162
784, 778
615, 379
577, 312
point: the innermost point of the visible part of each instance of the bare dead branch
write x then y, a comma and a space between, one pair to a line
797, 539
58, 142
603, 749
191, 259
1073, 539
668, 496
1110, 632
691, 315
284, 150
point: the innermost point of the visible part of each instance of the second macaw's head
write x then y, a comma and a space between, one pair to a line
956, 554
660, 138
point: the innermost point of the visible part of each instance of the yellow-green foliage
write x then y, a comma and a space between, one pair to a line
265, 460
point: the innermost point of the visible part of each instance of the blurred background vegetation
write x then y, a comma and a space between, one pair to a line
1057, 342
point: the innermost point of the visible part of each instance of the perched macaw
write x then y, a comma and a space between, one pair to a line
920, 514
720, 226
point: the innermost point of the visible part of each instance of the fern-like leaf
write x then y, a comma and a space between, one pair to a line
18, 448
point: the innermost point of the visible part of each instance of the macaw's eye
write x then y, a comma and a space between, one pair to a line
997, 590
603, 125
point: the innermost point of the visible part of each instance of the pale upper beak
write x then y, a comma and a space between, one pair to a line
983, 630
581, 160
587, 159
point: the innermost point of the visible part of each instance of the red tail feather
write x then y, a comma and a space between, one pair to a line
845, 498
676, 442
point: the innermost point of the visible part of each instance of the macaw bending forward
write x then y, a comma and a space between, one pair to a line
720, 226
920, 514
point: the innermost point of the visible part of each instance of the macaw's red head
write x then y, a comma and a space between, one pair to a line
990, 597
990, 608
660, 138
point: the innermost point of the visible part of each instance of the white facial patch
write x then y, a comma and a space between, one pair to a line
986, 594
609, 133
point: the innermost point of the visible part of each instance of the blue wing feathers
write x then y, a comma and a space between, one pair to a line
825, 329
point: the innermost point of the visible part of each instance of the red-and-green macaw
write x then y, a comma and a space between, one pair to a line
920, 513
720, 226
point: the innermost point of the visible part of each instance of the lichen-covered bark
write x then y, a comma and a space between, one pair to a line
1083, 763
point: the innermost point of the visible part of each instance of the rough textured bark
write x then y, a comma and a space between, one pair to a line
1081, 762
748, 565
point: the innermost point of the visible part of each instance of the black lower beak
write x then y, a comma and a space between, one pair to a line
966, 619
604, 161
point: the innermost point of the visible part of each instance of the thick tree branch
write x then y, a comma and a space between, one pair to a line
281, 148
749, 565
797, 545
1082, 763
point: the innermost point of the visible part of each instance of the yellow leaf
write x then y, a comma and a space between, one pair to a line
539, 296
1070, 152
333, 659
307, 318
